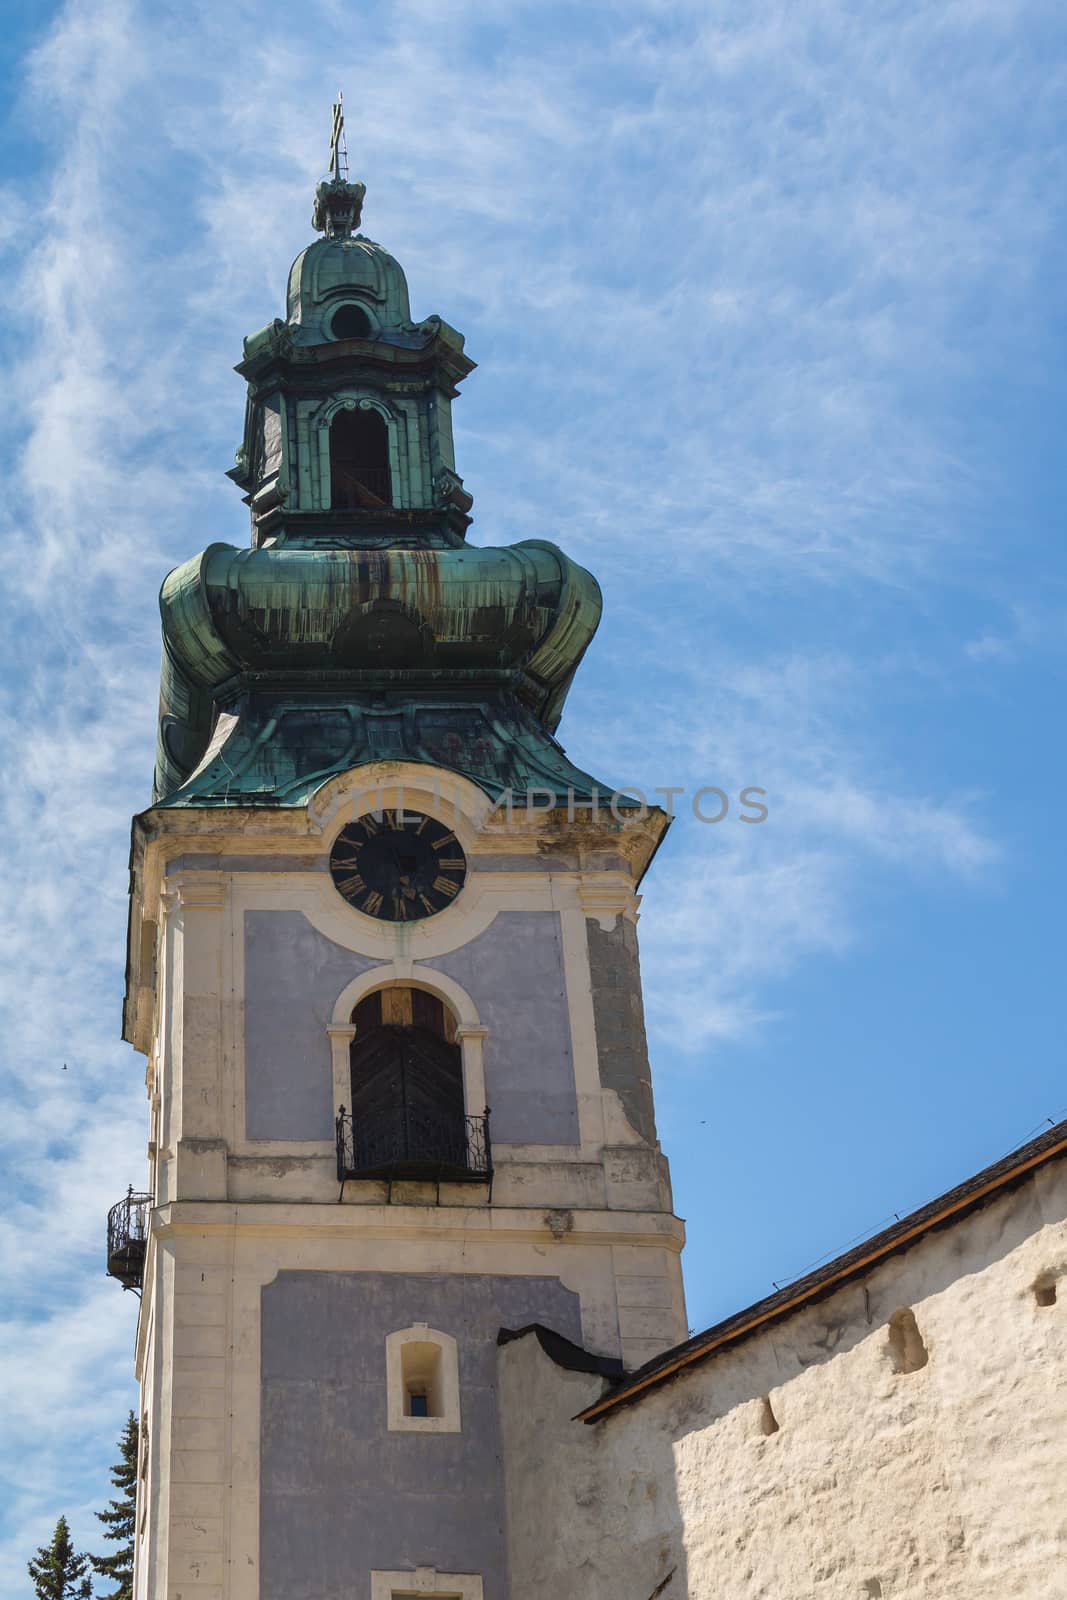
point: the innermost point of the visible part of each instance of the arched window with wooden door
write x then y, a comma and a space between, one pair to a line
408, 1118
360, 478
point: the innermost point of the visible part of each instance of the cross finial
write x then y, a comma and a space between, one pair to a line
338, 203
338, 145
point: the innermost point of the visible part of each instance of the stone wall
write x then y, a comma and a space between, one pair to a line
905, 1438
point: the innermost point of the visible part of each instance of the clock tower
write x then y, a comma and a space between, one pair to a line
383, 966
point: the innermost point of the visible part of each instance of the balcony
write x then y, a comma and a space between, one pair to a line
127, 1238
403, 1145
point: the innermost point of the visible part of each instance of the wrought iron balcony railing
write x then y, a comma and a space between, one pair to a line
400, 1143
127, 1238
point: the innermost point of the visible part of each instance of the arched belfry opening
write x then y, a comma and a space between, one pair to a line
360, 478
408, 1119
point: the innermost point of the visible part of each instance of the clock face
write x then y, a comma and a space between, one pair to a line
397, 865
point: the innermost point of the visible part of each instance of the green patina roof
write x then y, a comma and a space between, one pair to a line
276, 747
295, 664
352, 637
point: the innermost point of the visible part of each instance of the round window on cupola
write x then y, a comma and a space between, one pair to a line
350, 322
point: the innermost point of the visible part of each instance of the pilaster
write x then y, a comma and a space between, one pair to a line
471, 1037
200, 1151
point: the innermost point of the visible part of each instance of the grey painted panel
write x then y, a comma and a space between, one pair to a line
514, 974
619, 1015
293, 975
340, 1496
224, 863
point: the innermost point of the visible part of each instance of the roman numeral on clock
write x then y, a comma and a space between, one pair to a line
396, 865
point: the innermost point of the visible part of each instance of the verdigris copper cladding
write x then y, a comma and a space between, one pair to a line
307, 662
361, 626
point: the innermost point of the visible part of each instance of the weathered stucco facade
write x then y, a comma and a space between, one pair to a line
256, 1251
902, 1437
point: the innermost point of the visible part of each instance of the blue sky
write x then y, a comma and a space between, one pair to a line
767, 301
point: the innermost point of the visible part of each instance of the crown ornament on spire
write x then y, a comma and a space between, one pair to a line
338, 203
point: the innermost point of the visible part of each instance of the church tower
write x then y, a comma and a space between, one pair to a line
383, 966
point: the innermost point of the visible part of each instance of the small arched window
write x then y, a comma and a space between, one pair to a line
359, 461
350, 322
422, 1377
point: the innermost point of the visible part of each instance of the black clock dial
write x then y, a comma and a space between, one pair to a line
397, 865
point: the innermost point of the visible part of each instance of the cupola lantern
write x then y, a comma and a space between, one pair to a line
348, 425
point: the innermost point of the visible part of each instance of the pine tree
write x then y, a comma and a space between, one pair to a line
120, 1519
59, 1572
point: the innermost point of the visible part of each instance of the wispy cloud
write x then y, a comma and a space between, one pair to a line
724, 275
733, 904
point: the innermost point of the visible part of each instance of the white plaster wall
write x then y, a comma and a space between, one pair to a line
938, 1484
